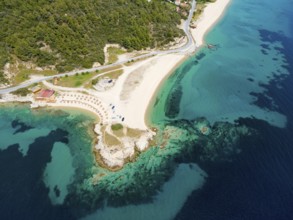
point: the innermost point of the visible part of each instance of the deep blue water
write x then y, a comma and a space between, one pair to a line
23, 195
30, 142
258, 182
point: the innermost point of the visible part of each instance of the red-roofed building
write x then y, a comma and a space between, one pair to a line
46, 95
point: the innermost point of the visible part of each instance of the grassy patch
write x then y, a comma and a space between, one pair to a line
110, 69
200, 5
111, 75
119, 133
116, 127
114, 74
74, 81
113, 54
110, 140
199, 10
130, 62
24, 74
133, 133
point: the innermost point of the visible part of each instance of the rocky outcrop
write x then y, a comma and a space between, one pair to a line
115, 156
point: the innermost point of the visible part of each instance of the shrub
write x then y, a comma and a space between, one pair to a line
116, 127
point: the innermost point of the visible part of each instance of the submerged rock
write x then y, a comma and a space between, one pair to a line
203, 126
140, 179
217, 142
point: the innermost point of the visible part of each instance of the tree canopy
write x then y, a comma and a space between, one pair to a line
72, 34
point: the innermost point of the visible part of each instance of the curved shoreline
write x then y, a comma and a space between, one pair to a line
153, 71
212, 14
130, 100
149, 109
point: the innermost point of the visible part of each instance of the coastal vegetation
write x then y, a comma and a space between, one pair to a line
113, 54
86, 79
116, 127
24, 74
200, 5
21, 92
75, 80
111, 74
72, 34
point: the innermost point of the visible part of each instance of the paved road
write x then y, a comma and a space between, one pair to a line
185, 49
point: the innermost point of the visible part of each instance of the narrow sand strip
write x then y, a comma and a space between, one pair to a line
212, 13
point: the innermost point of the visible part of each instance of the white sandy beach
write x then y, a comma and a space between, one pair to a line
135, 107
212, 13
135, 89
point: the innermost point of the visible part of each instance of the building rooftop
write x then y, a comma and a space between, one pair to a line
46, 93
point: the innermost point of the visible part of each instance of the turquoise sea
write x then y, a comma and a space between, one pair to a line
224, 146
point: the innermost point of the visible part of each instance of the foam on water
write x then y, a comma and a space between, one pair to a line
166, 204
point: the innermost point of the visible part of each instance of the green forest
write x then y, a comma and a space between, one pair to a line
76, 31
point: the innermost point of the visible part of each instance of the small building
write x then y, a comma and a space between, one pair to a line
47, 95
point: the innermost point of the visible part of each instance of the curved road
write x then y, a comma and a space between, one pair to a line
188, 47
